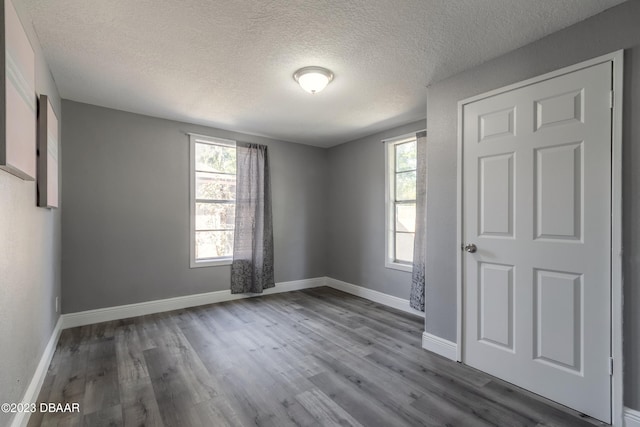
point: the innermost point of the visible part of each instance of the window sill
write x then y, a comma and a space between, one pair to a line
211, 262
397, 266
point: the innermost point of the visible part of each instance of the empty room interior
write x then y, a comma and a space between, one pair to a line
320, 213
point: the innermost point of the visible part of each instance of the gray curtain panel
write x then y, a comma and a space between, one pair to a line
252, 266
416, 298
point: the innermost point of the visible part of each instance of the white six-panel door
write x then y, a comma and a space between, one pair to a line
536, 203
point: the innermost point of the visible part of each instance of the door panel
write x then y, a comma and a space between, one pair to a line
496, 305
558, 191
536, 202
559, 109
496, 195
496, 124
558, 319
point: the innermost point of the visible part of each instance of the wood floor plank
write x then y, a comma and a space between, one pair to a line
139, 404
247, 371
62, 420
174, 395
218, 412
312, 358
527, 403
327, 352
394, 396
101, 384
106, 417
37, 417
130, 360
262, 376
325, 328
359, 372
257, 402
443, 413
278, 361
325, 410
147, 329
69, 379
426, 363
381, 313
359, 406
70, 344
177, 373
224, 319
465, 398
296, 350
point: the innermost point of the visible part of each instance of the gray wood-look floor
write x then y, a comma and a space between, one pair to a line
317, 357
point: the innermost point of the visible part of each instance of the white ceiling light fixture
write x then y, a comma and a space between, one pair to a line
313, 79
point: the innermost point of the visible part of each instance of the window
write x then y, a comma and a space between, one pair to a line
401, 201
212, 201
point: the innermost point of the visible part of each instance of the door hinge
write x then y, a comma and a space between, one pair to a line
610, 366
611, 99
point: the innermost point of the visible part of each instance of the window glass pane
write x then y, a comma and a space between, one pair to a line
405, 156
214, 244
215, 158
214, 186
215, 216
406, 217
406, 186
404, 247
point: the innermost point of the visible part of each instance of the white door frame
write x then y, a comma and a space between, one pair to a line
617, 409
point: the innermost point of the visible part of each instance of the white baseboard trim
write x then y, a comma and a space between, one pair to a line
31, 394
631, 417
371, 295
437, 345
90, 317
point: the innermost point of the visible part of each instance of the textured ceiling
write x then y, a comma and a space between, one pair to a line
229, 64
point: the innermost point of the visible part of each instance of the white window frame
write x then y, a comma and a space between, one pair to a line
389, 180
193, 139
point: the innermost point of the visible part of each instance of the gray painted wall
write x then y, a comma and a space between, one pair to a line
125, 228
356, 218
614, 29
125, 200
29, 264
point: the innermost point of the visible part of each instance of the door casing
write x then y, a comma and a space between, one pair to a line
617, 59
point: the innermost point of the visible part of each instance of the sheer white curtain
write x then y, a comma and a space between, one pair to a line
417, 296
252, 265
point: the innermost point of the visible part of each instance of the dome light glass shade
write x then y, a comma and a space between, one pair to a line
313, 79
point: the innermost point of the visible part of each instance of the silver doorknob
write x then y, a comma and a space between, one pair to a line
470, 247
